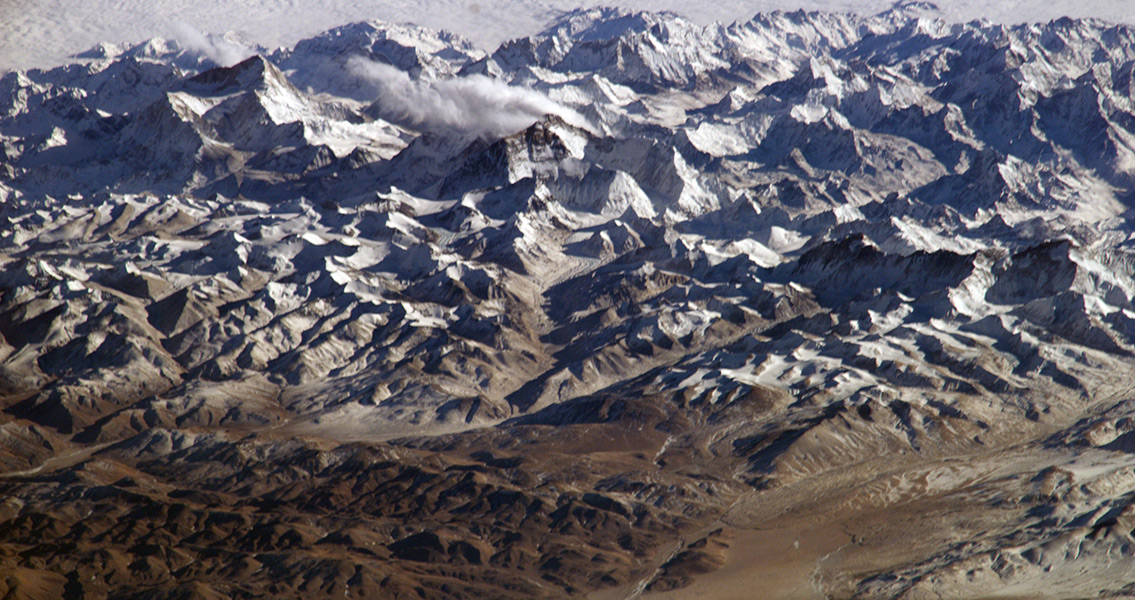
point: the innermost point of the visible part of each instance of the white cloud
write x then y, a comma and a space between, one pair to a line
475, 105
214, 47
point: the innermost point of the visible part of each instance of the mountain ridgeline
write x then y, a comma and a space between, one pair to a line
812, 305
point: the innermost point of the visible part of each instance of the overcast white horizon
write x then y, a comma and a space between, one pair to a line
47, 33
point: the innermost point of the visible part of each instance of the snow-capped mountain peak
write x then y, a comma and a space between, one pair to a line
620, 308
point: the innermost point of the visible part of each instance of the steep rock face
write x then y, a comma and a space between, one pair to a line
855, 281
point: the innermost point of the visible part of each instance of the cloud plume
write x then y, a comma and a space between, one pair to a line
475, 105
214, 47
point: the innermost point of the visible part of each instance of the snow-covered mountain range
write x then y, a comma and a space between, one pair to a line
615, 310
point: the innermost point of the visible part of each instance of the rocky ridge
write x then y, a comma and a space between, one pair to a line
850, 279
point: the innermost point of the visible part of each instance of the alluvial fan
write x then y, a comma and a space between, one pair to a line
812, 305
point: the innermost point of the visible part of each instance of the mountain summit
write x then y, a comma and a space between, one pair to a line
633, 307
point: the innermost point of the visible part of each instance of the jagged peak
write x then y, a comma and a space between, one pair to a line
605, 23
361, 33
913, 9
253, 73
102, 50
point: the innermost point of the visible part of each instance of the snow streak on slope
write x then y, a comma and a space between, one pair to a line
384, 314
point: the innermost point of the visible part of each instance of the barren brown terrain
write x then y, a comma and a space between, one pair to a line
812, 305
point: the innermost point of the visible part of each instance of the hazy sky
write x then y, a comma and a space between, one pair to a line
45, 32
